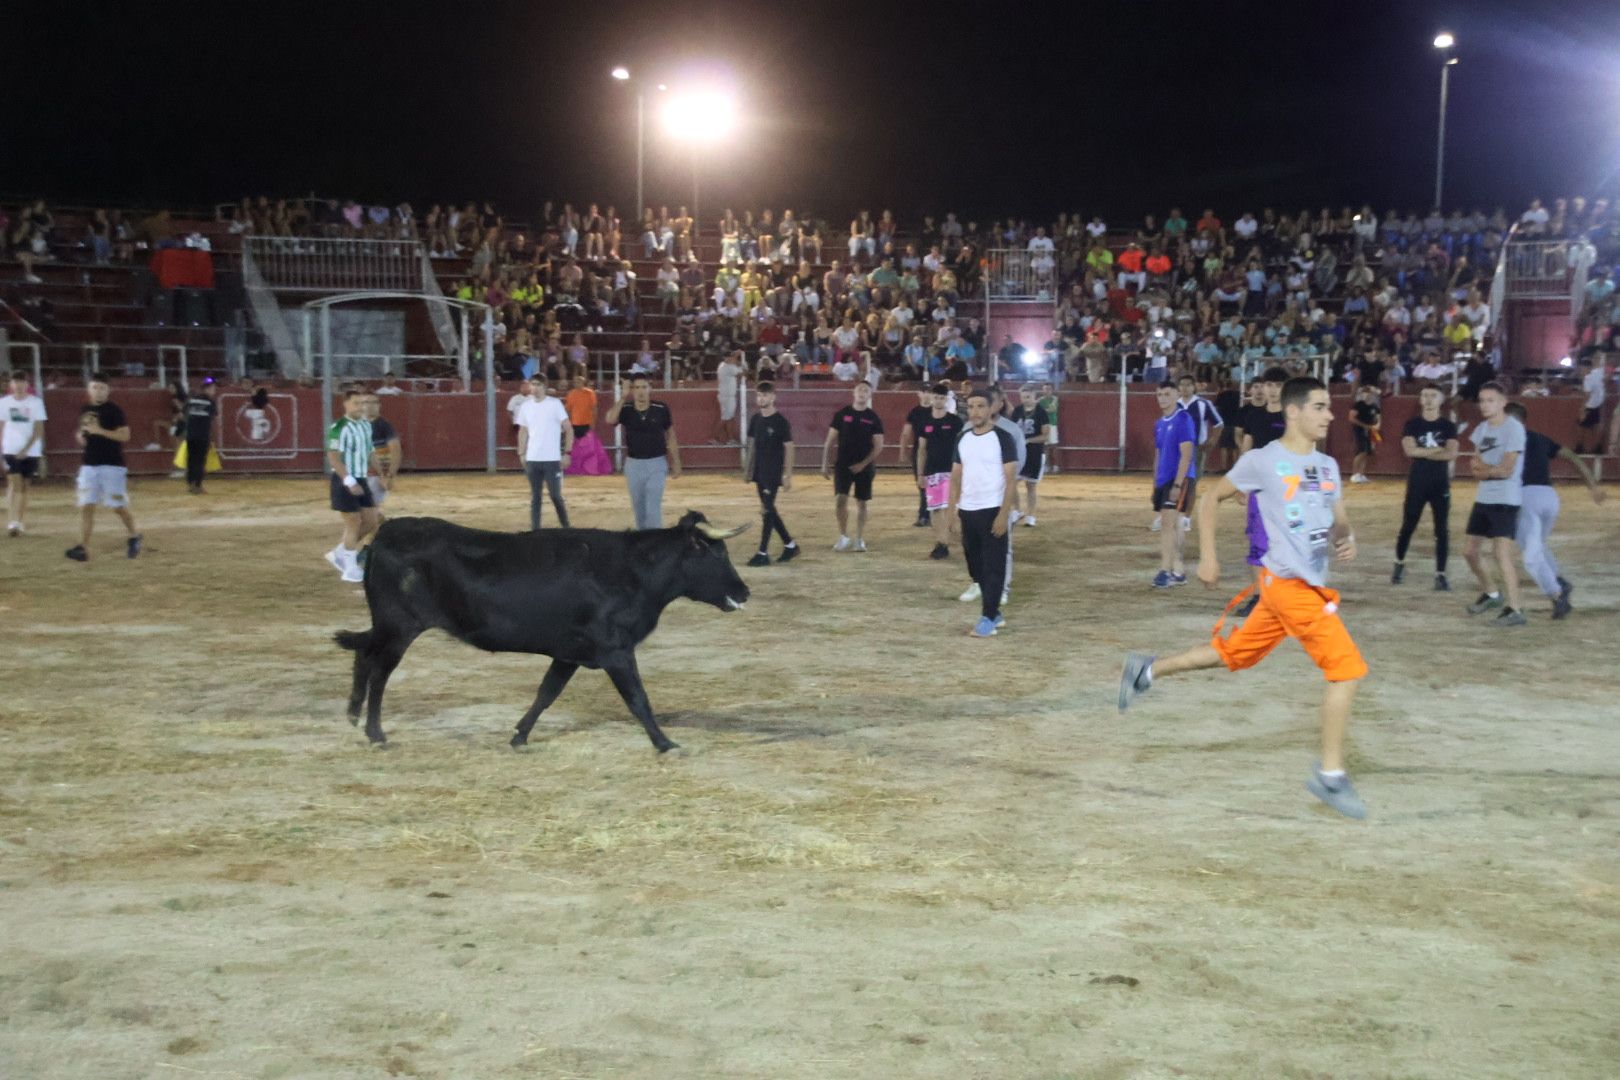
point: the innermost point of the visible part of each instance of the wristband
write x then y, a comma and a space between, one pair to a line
348, 481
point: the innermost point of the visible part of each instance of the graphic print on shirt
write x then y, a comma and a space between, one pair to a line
1314, 484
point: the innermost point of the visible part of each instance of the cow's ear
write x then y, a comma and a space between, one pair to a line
690, 520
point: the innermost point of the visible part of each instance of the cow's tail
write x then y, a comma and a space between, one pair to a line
354, 640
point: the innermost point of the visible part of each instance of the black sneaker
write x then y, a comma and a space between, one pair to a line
940, 552
922, 521
1562, 607
1564, 587
77, 553
760, 559
1441, 584
1397, 575
132, 547
1485, 603
789, 553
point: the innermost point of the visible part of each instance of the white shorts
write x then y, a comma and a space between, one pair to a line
104, 485
728, 408
378, 492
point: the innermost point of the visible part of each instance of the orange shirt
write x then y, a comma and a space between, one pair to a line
1130, 260
1158, 264
581, 406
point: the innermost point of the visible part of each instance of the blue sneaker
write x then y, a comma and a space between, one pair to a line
1178, 579
983, 628
1338, 792
1001, 620
1161, 580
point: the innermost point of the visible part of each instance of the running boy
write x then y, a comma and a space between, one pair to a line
1298, 492
1538, 512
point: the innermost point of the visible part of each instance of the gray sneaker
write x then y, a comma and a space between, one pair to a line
1485, 603
1338, 792
1510, 617
1135, 678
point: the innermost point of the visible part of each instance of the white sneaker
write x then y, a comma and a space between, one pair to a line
354, 573
1186, 523
1006, 597
337, 561
1029, 521
14, 528
843, 544
973, 593
1358, 479
1015, 517
860, 545
1156, 525
33, 279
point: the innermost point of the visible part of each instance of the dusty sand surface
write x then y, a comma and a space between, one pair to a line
891, 851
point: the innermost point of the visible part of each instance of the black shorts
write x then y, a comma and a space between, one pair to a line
1162, 500
25, 467
843, 480
580, 430
1592, 418
1034, 465
345, 501
1494, 520
1364, 443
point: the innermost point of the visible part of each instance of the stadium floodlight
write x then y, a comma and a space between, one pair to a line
704, 116
1444, 40
621, 73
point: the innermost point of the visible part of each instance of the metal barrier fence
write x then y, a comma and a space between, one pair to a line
1020, 274
310, 264
159, 362
1539, 268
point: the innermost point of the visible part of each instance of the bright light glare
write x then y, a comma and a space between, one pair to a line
1566, 362
621, 73
702, 116
1444, 40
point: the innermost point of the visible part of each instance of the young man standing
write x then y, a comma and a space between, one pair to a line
1175, 481
545, 445
200, 408
1035, 423
1498, 464
1430, 442
982, 490
652, 453
937, 433
103, 478
728, 379
1049, 402
348, 453
857, 431
770, 468
1364, 419
1538, 512
1299, 495
910, 438
1595, 383
1206, 418
385, 453
23, 416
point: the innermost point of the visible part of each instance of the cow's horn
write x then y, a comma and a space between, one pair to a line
715, 534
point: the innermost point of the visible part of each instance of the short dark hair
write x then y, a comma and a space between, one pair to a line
638, 378
1494, 385
940, 388
1298, 391
1517, 411
1275, 375
766, 387
97, 377
981, 392
1186, 378
355, 391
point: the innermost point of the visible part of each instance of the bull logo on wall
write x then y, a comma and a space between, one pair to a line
258, 427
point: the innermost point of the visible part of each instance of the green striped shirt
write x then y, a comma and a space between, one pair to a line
352, 441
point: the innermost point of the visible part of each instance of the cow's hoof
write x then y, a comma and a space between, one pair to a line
673, 750
354, 719
520, 742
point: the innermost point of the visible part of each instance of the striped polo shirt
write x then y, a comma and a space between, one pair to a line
352, 441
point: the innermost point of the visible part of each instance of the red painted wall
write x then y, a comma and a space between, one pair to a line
446, 431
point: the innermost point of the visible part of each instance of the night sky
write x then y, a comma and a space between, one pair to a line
1108, 108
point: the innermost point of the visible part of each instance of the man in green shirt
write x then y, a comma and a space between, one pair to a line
1049, 402
348, 453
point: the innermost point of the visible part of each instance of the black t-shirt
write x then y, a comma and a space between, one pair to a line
99, 450
857, 428
915, 418
644, 431
1031, 421
1368, 413
1262, 425
200, 413
770, 435
382, 433
1229, 405
937, 436
1539, 452
1429, 435
1371, 372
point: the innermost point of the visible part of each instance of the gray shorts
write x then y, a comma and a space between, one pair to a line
104, 485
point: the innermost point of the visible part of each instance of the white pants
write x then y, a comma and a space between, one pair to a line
1537, 515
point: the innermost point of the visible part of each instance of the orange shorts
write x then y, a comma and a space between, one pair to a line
1292, 608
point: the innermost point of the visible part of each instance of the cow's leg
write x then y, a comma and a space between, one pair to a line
551, 686
385, 657
362, 675
627, 680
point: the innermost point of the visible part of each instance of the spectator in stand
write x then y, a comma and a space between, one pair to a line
1131, 272
30, 239
729, 385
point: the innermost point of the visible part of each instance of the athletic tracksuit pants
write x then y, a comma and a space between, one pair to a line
1537, 515
988, 556
1435, 494
767, 507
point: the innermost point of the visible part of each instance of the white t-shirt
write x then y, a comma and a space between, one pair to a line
1041, 243
845, 370
545, 418
1245, 227
726, 375
19, 415
982, 457
517, 402
1592, 384
387, 391
1095, 229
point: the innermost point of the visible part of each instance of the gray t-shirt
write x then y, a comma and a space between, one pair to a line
1296, 494
1493, 442
1017, 433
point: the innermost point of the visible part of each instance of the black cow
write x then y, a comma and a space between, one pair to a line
584, 597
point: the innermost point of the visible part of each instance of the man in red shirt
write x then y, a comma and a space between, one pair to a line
1130, 267
1158, 266
1211, 223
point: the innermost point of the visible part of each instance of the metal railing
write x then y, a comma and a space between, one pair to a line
311, 264
1018, 274
1540, 269
161, 363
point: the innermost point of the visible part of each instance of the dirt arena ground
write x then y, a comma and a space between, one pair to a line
890, 850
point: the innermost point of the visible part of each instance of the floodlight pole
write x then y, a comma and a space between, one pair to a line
1440, 135
641, 150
